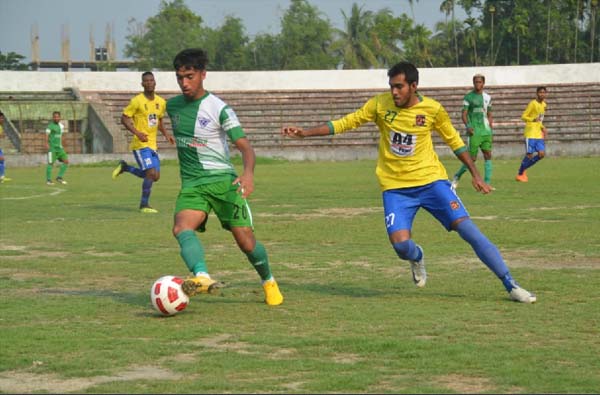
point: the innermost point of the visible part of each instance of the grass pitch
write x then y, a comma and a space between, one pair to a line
77, 263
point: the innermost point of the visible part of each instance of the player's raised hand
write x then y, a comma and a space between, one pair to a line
292, 131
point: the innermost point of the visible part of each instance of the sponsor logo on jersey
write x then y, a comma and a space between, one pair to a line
420, 120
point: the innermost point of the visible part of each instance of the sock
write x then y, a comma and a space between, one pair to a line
525, 164
486, 251
48, 172
146, 189
408, 250
62, 170
260, 261
460, 172
1, 168
135, 171
488, 171
192, 251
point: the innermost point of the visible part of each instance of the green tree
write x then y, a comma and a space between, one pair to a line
447, 7
389, 32
357, 45
418, 46
230, 49
265, 52
305, 38
12, 61
154, 44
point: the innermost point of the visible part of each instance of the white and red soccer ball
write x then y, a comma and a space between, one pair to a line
167, 296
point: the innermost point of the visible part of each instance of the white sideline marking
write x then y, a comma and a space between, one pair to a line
55, 191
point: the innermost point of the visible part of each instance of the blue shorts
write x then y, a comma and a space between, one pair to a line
401, 205
1, 153
147, 158
534, 145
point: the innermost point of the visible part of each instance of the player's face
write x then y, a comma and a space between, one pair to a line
191, 82
403, 92
541, 95
56, 118
478, 84
148, 83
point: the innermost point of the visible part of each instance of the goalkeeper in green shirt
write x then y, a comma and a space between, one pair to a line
477, 117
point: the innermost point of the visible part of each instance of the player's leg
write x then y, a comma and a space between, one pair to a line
400, 208
150, 166
234, 213
3, 178
486, 150
449, 210
50, 161
527, 160
63, 158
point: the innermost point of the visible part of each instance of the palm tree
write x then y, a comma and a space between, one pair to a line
447, 7
472, 33
356, 44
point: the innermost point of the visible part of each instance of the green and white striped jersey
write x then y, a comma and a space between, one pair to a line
201, 128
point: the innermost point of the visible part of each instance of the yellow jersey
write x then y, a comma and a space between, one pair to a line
146, 115
406, 154
533, 117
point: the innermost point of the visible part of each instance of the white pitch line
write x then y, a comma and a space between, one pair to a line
55, 192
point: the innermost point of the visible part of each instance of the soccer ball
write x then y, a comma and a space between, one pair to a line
167, 297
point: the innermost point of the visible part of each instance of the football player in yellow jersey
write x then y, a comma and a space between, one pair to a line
535, 132
411, 175
143, 117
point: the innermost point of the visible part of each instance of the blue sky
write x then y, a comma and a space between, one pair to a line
80, 17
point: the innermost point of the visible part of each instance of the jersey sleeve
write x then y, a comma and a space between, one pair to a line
529, 113
131, 108
367, 113
230, 124
443, 125
466, 103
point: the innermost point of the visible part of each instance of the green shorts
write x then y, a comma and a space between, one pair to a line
222, 197
477, 141
57, 154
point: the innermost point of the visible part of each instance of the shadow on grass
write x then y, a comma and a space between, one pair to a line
121, 297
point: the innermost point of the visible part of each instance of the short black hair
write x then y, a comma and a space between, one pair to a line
191, 58
56, 112
147, 73
411, 74
541, 88
1, 114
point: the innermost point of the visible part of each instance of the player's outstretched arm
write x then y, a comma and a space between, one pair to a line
297, 132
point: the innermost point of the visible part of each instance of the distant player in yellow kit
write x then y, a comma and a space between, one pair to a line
143, 117
535, 132
411, 175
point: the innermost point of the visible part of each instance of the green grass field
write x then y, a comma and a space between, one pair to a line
77, 263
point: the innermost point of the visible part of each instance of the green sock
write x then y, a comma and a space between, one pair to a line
488, 171
259, 259
48, 172
460, 172
192, 251
62, 170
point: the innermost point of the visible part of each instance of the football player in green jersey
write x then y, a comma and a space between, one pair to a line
411, 176
55, 149
477, 117
202, 124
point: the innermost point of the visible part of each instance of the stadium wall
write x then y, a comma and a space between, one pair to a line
299, 80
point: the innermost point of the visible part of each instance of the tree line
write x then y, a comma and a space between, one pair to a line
494, 32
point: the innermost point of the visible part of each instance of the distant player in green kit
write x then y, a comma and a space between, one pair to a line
56, 152
477, 117
202, 124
